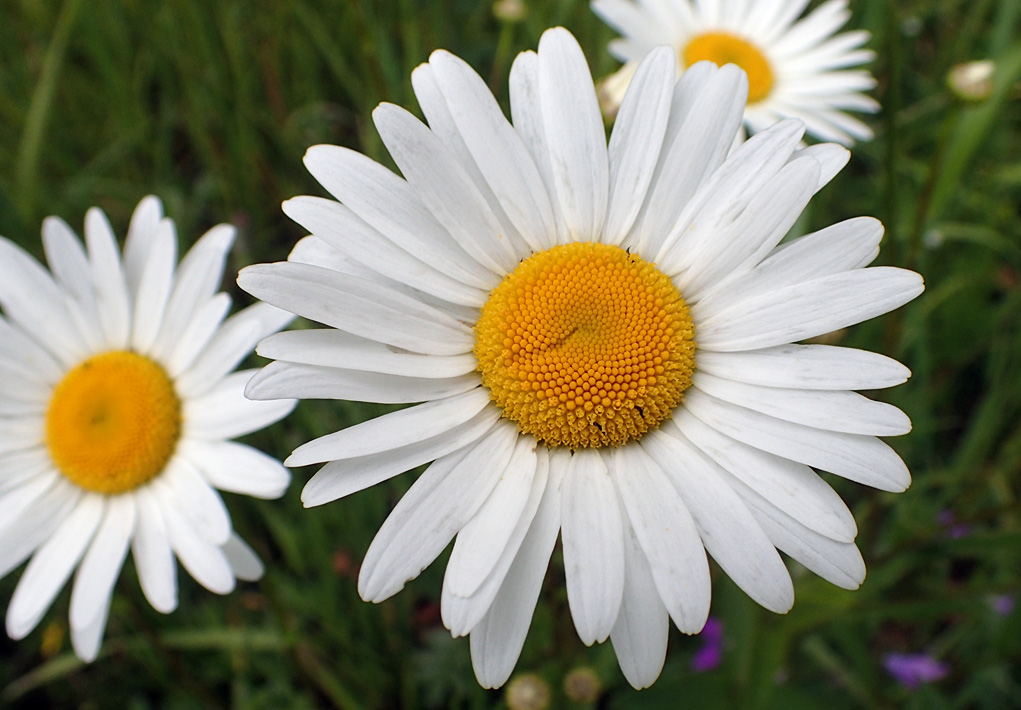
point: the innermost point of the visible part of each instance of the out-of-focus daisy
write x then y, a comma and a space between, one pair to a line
117, 398
602, 339
797, 68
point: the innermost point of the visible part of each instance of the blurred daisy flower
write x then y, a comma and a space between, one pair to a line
601, 337
796, 68
116, 403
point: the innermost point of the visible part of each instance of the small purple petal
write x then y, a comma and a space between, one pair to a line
1003, 604
913, 669
710, 656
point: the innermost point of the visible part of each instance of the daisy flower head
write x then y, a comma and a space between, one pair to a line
117, 400
600, 338
797, 68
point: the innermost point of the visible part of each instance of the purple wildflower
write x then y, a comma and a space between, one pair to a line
954, 529
913, 669
711, 654
1002, 604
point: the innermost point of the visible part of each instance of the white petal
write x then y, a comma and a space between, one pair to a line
340, 478
145, 220
33, 301
28, 532
497, 641
21, 351
94, 581
108, 278
825, 367
637, 140
196, 335
357, 306
484, 537
791, 487
864, 459
834, 410
86, 640
809, 309
235, 339
640, 634
347, 233
224, 412
575, 134
593, 546
668, 537
848, 245
198, 277
335, 348
445, 188
393, 430
246, 564
462, 614
719, 192
281, 379
728, 531
203, 560
431, 512
692, 151
526, 112
496, 148
739, 242
192, 495
237, 468
154, 285
70, 266
51, 565
837, 562
388, 204
154, 560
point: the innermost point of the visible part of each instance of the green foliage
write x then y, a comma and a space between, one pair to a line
211, 105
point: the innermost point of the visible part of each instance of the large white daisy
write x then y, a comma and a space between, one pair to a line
796, 68
117, 398
601, 337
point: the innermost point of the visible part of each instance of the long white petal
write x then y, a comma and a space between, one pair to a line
340, 478
51, 565
483, 538
813, 367
154, 560
237, 468
497, 640
431, 512
728, 531
574, 128
668, 536
94, 581
462, 614
593, 546
640, 633
357, 306
864, 459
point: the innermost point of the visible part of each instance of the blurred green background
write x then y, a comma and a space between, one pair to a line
211, 105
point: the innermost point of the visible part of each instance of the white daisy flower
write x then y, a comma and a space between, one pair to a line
117, 400
796, 68
601, 337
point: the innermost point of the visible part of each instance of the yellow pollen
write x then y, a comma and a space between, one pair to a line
585, 345
723, 48
113, 422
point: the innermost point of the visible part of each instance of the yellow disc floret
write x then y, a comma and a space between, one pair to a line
113, 422
585, 345
723, 48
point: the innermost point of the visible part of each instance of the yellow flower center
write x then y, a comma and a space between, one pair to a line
585, 345
723, 48
113, 422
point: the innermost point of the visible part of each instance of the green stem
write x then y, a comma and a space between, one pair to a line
26, 168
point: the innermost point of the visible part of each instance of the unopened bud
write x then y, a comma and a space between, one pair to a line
528, 692
582, 685
972, 81
509, 10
